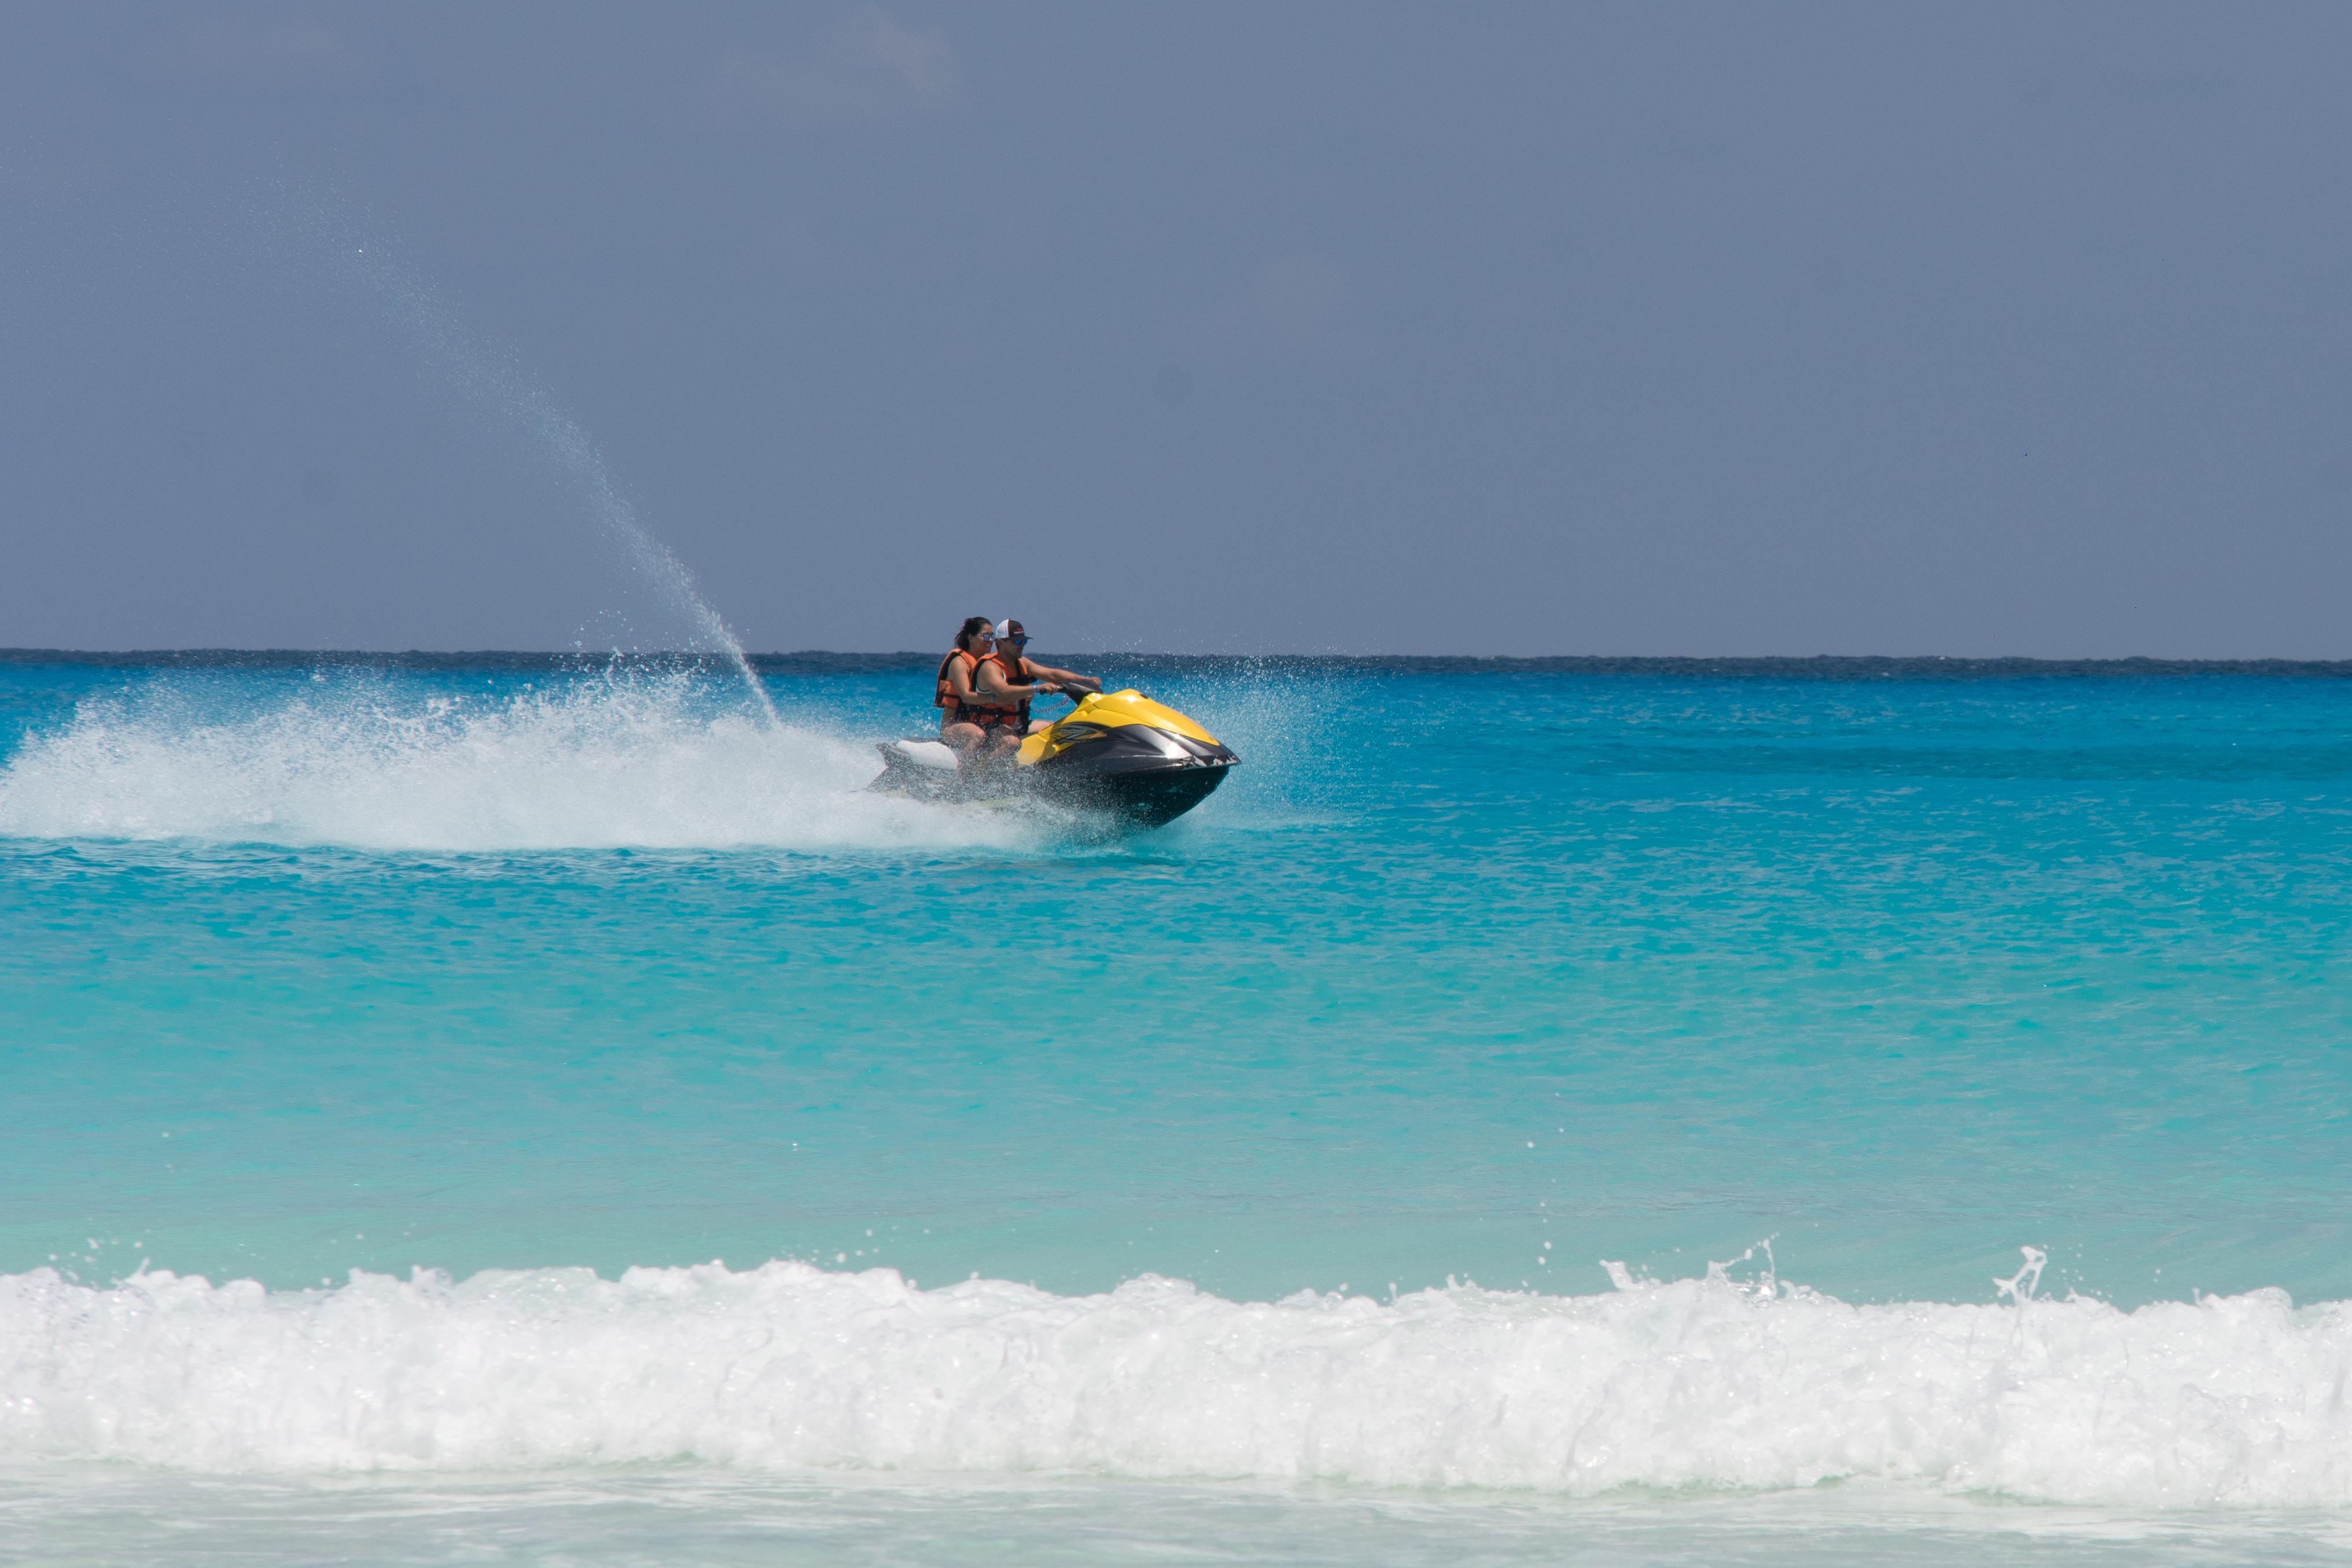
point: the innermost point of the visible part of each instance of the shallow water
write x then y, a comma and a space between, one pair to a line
1851, 988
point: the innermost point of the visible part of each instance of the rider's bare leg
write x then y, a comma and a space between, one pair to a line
962, 737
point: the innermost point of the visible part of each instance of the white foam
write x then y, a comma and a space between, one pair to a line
2237, 1401
595, 763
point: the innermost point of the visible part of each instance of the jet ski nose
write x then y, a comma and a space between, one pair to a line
1183, 749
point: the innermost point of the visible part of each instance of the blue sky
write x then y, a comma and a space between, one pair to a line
1504, 329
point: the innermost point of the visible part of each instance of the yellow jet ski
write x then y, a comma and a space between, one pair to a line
1118, 753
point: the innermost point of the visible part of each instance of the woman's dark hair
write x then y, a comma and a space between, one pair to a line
971, 623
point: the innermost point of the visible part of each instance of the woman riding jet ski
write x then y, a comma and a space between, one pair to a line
1121, 753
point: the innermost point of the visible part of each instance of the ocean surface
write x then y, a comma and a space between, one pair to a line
497, 1109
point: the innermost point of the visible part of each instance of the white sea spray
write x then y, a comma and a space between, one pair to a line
595, 763
2224, 1401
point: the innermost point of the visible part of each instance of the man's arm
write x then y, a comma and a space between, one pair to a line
995, 691
1047, 672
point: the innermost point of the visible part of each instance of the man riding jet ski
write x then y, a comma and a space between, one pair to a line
1013, 665
1121, 753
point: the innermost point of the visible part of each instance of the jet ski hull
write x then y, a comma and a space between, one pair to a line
1143, 798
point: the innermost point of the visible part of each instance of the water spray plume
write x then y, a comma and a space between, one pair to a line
493, 380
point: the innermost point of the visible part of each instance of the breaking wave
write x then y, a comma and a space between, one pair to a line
640, 762
2233, 1401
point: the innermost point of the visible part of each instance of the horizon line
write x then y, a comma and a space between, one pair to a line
836, 661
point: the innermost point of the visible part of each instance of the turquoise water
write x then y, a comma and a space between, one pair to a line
1649, 1074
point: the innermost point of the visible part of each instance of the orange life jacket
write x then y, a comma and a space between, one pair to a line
1013, 677
958, 711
